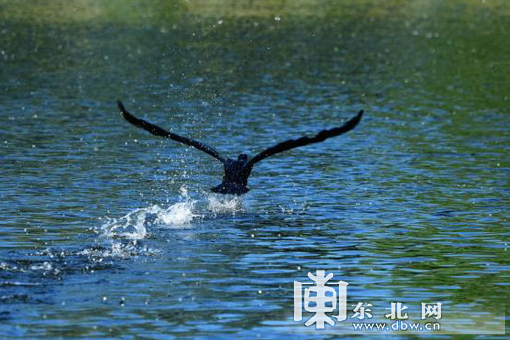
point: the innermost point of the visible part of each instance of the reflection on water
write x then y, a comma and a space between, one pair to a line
98, 236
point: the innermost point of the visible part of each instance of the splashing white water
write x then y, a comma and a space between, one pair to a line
117, 249
134, 224
227, 203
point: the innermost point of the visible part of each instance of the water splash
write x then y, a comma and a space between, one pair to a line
117, 249
45, 266
134, 225
224, 203
123, 235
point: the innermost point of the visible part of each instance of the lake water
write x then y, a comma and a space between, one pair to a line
107, 231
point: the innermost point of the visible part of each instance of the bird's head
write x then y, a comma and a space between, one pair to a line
242, 157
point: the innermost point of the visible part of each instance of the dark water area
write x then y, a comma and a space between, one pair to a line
107, 231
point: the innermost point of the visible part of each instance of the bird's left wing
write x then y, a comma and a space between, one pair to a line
157, 131
294, 143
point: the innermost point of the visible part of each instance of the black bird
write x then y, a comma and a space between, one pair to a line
235, 178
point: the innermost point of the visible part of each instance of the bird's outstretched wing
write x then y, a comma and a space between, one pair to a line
294, 143
156, 130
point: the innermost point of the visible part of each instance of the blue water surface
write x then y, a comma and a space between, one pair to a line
107, 231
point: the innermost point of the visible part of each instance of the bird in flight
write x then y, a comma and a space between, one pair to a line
237, 171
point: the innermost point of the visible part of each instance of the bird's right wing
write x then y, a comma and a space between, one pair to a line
157, 131
294, 143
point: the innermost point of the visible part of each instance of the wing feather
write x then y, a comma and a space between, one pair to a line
157, 131
295, 143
